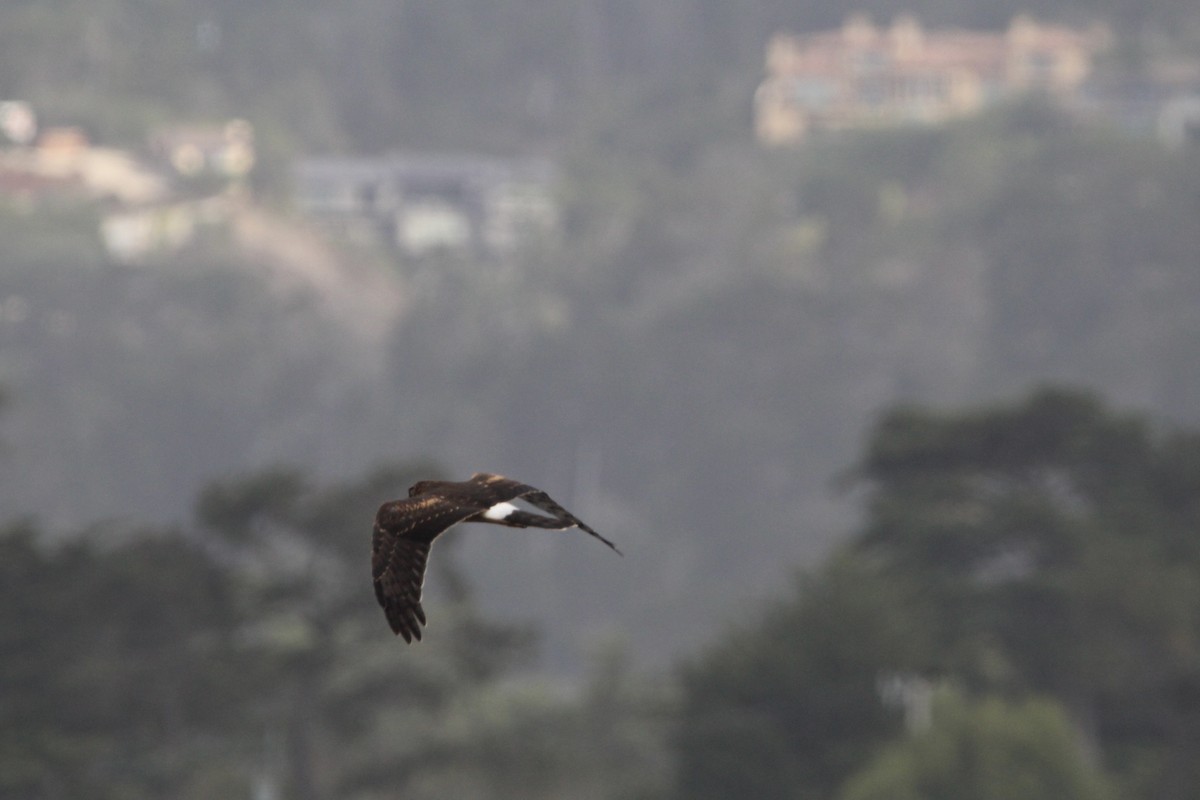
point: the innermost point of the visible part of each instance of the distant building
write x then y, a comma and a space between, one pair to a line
134, 235
141, 216
63, 163
867, 76
423, 204
225, 150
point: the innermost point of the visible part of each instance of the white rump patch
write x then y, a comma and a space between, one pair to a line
500, 511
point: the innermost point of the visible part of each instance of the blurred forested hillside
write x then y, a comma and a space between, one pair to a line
688, 369
1015, 618
733, 362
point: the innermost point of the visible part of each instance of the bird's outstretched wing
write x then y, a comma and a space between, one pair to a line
404, 532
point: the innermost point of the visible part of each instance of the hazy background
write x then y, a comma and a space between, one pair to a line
688, 367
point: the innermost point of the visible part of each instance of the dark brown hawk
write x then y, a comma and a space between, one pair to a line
405, 530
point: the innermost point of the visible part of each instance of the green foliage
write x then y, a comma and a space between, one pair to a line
139, 639
788, 706
248, 654
1052, 546
986, 750
759, 307
1042, 549
336, 679
531, 739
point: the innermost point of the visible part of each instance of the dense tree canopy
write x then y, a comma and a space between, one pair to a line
716, 311
1039, 549
988, 750
246, 653
121, 669
693, 358
1016, 618
788, 706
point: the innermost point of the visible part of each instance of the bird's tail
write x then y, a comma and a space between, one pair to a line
561, 520
547, 504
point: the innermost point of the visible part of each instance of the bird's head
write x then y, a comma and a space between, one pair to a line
420, 487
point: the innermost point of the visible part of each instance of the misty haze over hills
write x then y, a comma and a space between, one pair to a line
689, 369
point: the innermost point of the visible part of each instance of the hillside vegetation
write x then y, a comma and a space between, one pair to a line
737, 364
692, 366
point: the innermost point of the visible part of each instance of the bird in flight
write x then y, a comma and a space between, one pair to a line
405, 530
